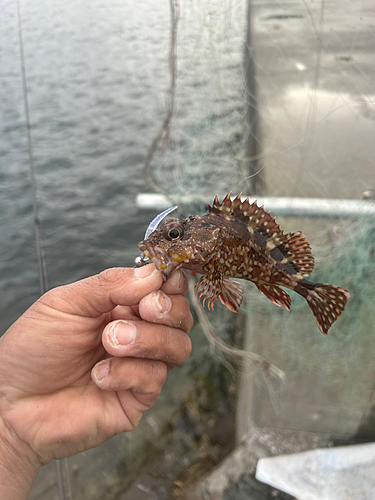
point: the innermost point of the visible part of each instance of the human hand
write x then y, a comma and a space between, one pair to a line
69, 380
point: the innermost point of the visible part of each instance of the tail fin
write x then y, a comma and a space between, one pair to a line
326, 302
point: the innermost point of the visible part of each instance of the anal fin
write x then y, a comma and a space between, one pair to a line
275, 294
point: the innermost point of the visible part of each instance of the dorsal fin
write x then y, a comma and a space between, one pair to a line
293, 247
296, 248
251, 214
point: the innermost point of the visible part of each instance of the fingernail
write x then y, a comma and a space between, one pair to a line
122, 333
181, 280
101, 370
163, 302
177, 280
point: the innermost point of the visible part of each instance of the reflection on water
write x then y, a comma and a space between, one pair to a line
97, 77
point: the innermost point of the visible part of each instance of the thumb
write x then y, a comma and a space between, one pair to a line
99, 294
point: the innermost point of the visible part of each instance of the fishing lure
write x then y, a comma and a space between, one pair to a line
141, 259
240, 240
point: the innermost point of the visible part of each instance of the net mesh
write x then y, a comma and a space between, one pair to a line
305, 124
180, 93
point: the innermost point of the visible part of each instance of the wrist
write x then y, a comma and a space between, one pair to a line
19, 465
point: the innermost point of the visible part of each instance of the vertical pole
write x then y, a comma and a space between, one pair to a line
253, 167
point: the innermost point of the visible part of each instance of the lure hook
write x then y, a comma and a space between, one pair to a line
141, 259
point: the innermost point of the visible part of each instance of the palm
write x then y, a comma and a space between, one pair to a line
52, 395
62, 389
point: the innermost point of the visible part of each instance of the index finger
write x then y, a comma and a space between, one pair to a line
101, 293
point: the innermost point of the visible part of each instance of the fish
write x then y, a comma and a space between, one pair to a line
241, 240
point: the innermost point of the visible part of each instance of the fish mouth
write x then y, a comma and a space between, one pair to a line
160, 258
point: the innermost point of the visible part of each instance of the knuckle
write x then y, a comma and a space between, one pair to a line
151, 375
187, 347
190, 322
56, 298
48, 297
181, 304
187, 308
185, 313
156, 348
109, 276
54, 294
160, 373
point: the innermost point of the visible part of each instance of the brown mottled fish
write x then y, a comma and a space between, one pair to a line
240, 240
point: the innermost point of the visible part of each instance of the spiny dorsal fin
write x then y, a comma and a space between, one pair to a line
293, 247
251, 214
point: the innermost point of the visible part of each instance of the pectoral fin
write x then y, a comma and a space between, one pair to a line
209, 287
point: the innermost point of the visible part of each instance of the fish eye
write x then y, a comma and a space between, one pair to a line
174, 233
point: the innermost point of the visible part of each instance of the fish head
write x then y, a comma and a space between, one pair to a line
187, 243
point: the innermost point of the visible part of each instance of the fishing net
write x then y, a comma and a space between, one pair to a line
193, 99
278, 118
292, 126
326, 387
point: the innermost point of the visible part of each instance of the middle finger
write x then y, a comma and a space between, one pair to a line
171, 310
